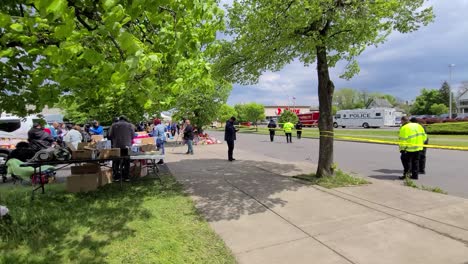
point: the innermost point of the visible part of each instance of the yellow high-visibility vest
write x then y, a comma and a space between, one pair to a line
412, 137
288, 127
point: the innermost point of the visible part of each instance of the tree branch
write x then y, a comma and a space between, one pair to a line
77, 14
339, 32
122, 55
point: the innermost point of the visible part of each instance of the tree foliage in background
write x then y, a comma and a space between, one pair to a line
106, 58
438, 109
269, 34
225, 112
423, 105
240, 110
349, 98
423, 102
287, 116
254, 112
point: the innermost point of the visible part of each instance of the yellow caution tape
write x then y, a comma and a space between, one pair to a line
387, 142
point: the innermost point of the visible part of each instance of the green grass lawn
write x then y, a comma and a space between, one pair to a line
387, 136
143, 223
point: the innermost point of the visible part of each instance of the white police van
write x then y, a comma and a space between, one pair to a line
366, 118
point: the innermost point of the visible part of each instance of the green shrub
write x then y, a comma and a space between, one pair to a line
459, 128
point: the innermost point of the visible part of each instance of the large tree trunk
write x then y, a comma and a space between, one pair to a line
325, 124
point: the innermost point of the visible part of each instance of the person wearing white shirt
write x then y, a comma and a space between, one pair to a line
73, 136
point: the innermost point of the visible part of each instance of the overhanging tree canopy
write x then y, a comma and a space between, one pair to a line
268, 34
105, 57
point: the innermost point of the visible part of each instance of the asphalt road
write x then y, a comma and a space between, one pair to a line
447, 169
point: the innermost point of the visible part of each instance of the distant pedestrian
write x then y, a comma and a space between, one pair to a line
38, 138
299, 129
287, 127
411, 139
422, 153
230, 137
272, 128
188, 137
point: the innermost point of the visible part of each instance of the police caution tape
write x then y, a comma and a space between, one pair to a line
386, 142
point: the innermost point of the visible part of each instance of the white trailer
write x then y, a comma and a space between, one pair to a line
367, 118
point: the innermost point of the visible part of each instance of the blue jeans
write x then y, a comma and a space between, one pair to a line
160, 145
190, 146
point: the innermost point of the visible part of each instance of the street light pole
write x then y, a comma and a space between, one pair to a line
450, 89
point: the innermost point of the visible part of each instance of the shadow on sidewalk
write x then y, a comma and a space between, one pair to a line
224, 190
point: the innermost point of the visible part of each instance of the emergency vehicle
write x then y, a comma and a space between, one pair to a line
309, 119
366, 118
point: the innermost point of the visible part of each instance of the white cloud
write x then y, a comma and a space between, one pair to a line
402, 66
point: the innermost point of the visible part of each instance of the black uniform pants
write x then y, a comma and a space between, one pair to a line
230, 144
299, 134
289, 137
410, 161
422, 160
116, 166
272, 135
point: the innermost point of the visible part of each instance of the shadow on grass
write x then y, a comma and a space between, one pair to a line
58, 227
223, 190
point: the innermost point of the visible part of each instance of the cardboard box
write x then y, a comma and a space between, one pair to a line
109, 153
147, 148
97, 138
73, 184
83, 182
85, 168
106, 176
135, 169
89, 182
84, 145
148, 141
82, 154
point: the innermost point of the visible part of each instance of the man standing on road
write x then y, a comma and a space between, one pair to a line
121, 135
299, 129
230, 137
271, 128
411, 140
288, 126
422, 153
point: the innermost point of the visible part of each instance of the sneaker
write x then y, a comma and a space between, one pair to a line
187, 152
414, 178
160, 162
116, 180
422, 172
126, 180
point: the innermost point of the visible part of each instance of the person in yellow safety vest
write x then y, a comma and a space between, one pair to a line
411, 141
287, 127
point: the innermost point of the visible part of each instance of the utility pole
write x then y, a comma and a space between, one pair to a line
450, 89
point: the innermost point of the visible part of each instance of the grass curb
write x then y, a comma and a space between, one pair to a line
340, 179
410, 183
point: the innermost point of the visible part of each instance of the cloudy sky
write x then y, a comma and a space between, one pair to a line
402, 66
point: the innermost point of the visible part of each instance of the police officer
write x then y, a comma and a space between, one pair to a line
422, 153
271, 128
299, 129
288, 126
411, 140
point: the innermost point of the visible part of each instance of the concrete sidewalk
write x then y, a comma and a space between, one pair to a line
264, 216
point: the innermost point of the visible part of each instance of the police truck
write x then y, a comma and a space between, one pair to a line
366, 118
